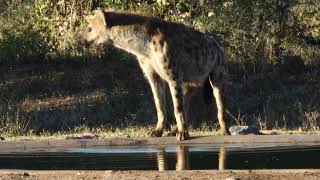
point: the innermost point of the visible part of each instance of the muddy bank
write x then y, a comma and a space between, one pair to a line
34, 145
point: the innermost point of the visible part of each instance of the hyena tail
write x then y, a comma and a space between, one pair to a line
216, 79
217, 75
207, 92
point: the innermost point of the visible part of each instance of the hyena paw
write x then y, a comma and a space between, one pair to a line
156, 133
181, 136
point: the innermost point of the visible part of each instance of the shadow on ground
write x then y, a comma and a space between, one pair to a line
64, 94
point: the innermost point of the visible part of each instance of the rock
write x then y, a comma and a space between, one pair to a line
244, 130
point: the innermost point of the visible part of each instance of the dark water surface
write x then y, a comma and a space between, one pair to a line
234, 156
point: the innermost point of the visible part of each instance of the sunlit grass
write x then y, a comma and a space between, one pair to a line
103, 133
133, 132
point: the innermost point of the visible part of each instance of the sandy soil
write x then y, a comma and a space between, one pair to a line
146, 175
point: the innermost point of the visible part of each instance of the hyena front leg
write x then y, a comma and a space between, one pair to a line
158, 90
177, 99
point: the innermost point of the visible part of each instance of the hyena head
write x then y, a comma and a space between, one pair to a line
96, 32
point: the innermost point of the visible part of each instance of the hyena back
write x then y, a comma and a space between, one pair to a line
167, 53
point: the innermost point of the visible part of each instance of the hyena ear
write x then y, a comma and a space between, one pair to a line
100, 15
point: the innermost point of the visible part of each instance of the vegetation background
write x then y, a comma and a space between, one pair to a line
49, 84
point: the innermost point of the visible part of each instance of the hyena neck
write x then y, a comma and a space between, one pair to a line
126, 32
130, 38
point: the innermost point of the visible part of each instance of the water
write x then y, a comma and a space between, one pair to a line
229, 156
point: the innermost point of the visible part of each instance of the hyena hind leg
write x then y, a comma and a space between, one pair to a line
217, 88
187, 94
179, 112
158, 90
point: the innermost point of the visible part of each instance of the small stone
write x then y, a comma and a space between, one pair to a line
244, 130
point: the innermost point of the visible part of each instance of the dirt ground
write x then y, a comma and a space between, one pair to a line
34, 145
146, 175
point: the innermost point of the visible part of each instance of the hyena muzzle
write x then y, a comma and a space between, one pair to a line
168, 53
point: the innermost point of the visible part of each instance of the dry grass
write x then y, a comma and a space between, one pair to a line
134, 132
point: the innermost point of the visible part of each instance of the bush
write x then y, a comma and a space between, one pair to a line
258, 30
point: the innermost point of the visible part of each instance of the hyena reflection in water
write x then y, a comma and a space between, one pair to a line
183, 159
167, 53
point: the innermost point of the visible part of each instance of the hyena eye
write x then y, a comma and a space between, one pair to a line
89, 29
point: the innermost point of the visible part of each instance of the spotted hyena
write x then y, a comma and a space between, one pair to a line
168, 53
